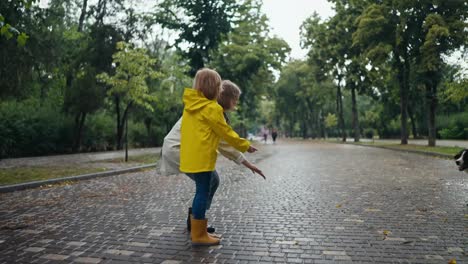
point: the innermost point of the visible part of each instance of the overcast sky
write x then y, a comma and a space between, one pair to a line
287, 16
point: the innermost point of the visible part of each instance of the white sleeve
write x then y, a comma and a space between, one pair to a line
230, 152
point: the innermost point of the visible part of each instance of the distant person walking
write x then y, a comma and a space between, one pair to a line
274, 135
265, 135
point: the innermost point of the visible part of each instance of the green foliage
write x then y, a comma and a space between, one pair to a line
85, 94
302, 98
100, 133
25, 62
374, 32
8, 31
456, 132
331, 120
453, 126
139, 136
201, 24
369, 133
381, 49
249, 57
133, 68
456, 92
28, 129
437, 31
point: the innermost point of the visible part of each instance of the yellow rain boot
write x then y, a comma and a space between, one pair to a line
199, 235
209, 229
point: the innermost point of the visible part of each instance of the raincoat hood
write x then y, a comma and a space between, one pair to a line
194, 100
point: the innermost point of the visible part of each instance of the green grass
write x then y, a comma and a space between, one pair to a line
28, 174
427, 149
438, 150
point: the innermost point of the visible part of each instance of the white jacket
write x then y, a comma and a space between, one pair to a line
170, 153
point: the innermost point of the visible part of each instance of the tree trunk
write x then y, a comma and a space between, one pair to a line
321, 125
291, 128
412, 121
403, 97
126, 139
119, 124
432, 101
80, 130
79, 125
101, 12
82, 16
355, 113
76, 125
304, 129
148, 130
404, 118
339, 108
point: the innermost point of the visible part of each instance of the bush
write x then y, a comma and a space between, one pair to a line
138, 135
456, 132
453, 126
391, 130
99, 132
369, 133
28, 128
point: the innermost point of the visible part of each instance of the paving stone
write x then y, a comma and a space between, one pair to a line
87, 260
45, 241
30, 231
76, 243
119, 252
54, 257
454, 249
34, 249
290, 217
138, 244
434, 257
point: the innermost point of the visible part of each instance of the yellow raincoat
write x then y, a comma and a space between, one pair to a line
203, 125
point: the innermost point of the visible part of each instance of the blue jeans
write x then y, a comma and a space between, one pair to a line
206, 184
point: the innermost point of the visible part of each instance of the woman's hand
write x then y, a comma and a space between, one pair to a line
253, 168
251, 149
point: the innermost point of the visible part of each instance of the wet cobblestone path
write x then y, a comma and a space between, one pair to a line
321, 203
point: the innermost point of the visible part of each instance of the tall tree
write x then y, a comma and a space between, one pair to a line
201, 25
323, 40
129, 86
249, 57
25, 62
302, 98
443, 31
384, 32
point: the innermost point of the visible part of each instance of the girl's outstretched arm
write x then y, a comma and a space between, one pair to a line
253, 168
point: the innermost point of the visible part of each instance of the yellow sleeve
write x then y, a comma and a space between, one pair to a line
217, 122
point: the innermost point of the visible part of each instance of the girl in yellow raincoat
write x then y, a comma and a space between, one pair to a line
203, 125
170, 153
